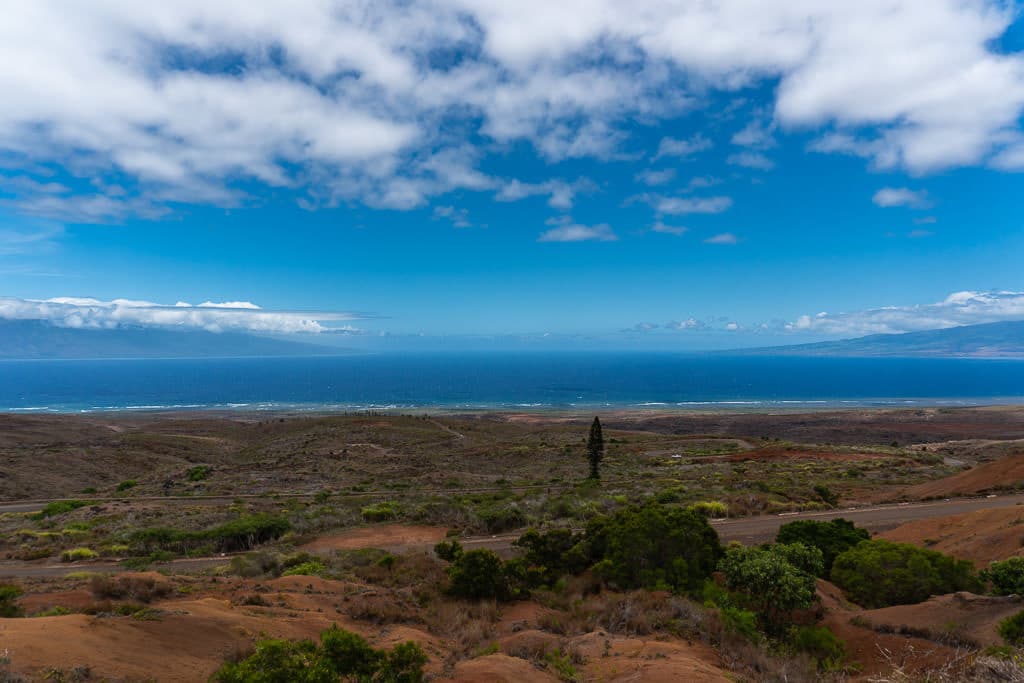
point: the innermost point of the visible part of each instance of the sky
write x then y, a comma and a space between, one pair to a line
679, 175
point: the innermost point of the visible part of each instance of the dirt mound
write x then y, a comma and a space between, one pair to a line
994, 475
187, 640
618, 659
386, 536
981, 536
956, 619
500, 668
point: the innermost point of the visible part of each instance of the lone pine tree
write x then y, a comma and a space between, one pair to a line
595, 448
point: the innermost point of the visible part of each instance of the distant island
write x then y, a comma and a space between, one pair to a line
37, 339
987, 340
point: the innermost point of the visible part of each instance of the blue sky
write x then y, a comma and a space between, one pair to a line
684, 175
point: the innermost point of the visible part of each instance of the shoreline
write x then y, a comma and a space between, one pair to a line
644, 410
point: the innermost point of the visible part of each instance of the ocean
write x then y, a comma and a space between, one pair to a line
505, 381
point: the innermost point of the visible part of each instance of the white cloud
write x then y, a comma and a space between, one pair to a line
678, 206
722, 238
676, 230
239, 316
458, 217
671, 147
926, 220
652, 177
901, 196
751, 160
566, 230
959, 308
688, 324
561, 194
756, 135
190, 101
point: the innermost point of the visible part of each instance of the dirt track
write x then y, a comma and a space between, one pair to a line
746, 530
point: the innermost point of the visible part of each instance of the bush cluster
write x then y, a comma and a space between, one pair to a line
1006, 577
832, 538
653, 546
340, 655
879, 574
243, 533
8, 607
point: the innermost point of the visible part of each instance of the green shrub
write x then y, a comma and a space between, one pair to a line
448, 550
879, 574
547, 555
127, 484
478, 574
1012, 629
341, 655
653, 546
380, 512
8, 607
832, 538
773, 580
499, 518
77, 554
711, 508
741, 622
1006, 577
55, 611
822, 645
199, 472
311, 568
826, 494
59, 507
243, 533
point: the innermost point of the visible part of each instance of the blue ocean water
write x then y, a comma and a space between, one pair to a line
535, 381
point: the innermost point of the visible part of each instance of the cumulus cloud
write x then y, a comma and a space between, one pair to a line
901, 196
722, 238
236, 316
671, 147
751, 160
652, 177
678, 206
561, 194
677, 230
567, 230
688, 324
959, 308
340, 101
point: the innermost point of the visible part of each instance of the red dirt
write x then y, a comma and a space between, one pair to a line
981, 536
499, 668
189, 639
384, 536
784, 454
959, 615
999, 474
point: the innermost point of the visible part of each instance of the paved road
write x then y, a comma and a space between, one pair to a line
874, 518
748, 530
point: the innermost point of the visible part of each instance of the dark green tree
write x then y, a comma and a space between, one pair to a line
774, 580
595, 448
832, 538
879, 574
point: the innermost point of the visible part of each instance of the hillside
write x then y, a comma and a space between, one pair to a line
989, 340
24, 339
